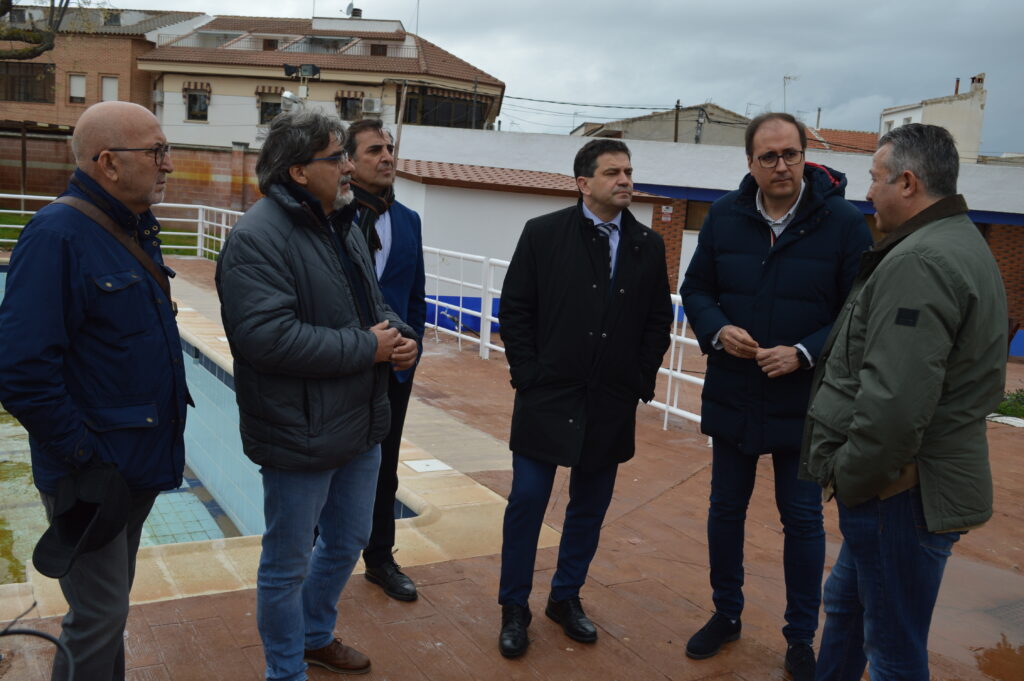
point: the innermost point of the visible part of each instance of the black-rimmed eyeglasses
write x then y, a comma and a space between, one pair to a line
340, 159
790, 157
159, 152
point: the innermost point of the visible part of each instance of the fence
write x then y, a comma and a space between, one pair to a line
462, 289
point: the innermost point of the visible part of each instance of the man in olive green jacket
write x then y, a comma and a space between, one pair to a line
896, 427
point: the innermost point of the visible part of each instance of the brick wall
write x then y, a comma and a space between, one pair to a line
671, 230
222, 178
93, 56
1007, 244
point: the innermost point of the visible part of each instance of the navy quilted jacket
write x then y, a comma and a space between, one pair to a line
784, 294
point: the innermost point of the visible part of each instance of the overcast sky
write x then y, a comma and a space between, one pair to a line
852, 59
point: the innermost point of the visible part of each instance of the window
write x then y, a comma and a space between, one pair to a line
447, 108
378, 50
198, 101
112, 18
350, 108
76, 88
270, 106
17, 16
906, 121
888, 126
108, 88
269, 44
27, 82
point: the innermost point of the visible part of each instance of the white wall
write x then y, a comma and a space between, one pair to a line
986, 187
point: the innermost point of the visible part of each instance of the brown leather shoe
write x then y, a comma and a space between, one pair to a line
338, 658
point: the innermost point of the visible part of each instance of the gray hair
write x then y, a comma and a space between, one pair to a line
294, 139
928, 151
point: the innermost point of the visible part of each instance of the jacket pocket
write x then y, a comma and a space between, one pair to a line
120, 306
105, 419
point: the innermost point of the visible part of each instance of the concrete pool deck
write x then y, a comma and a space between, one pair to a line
648, 588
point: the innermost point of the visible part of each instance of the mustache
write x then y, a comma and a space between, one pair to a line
345, 179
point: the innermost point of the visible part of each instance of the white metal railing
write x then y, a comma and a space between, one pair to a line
449, 274
209, 225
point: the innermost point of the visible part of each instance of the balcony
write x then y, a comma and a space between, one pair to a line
291, 44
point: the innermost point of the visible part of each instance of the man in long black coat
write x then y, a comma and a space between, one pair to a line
585, 318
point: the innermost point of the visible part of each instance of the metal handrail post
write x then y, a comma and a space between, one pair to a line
485, 311
200, 230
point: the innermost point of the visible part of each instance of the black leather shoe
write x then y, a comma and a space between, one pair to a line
389, 577
800, 662
709, 640
515, 618
569, 613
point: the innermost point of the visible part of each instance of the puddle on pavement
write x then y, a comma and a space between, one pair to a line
21, 516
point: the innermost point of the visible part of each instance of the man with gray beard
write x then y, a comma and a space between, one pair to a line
313, 343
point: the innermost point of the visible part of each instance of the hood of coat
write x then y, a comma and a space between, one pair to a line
822, 183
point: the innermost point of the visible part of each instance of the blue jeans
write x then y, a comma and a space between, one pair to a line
803, 552
298, 584
590, 493
881, 593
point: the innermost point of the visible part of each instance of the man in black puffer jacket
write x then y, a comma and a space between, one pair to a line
312, 340
773, 265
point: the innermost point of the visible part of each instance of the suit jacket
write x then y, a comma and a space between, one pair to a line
582, 350
403, 280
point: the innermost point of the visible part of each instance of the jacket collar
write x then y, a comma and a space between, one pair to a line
943, 208
305, 208
84, 187
629, 226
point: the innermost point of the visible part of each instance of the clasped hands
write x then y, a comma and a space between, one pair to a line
393, 347
777, 361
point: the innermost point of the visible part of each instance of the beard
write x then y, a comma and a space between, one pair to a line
343, 198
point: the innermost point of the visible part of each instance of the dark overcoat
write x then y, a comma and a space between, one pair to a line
782, 294
583, 349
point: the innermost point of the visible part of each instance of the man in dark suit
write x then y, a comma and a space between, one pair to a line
585, 318
392, 232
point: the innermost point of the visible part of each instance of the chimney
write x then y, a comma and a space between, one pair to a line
978, 82
356, 13
956, 88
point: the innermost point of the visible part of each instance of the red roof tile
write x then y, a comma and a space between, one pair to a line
496, 179
852, 141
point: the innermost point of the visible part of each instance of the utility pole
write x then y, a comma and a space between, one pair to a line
472, 113
701, 117
675, 135
817, 123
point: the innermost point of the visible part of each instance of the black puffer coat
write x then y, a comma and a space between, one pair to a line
309, 394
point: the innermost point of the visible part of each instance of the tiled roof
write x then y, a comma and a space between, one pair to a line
230, 24
432, 60
852, 141
91, 20
496, 179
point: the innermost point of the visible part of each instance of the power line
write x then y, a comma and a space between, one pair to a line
597, 106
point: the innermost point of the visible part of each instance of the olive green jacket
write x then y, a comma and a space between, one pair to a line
915, 362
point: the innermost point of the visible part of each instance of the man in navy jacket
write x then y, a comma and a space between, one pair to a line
773, 265
392, 232
91, 362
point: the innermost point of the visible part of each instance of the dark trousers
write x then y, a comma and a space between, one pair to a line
590, 493
803, 553
97, 589
382, 537
881, 592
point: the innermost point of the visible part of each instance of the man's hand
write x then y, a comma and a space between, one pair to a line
737, 342
404, 354
387, 339
778, 361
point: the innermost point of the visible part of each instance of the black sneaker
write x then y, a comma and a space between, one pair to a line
709, 640
800, 661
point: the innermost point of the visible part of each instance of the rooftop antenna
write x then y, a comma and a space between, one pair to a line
785, 82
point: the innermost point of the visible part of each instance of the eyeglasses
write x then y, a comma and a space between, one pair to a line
790, 157
339, 159
160, 152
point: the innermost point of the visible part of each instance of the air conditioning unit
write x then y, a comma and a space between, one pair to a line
371, 105
158, 96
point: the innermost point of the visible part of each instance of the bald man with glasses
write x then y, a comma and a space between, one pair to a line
91, 363
774, 263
